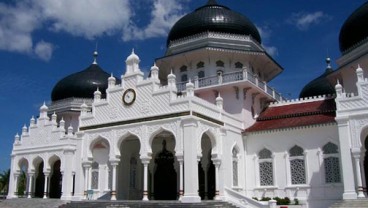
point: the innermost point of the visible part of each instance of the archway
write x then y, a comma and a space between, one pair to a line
130, 172
55, 180
22, 178
40, 180
100, 176
206, 171
165, 166
366, 163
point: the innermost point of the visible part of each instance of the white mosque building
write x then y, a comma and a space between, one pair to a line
204, 124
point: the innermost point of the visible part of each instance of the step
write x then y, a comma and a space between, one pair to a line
32, 203
361, 203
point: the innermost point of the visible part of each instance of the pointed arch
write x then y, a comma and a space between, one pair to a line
23, 162
123, 137
99, 142
159, 131
36, 161
212, 136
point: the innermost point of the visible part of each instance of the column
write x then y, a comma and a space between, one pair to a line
358, 176
113, 183
346, 161
217, 164
181, 188
145, 179
86, 166
67, 174
16, 176
46, 185
30, 183
189, 126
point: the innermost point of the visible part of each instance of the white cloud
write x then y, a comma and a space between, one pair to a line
84, 18
44, 50
265, 32
303, 21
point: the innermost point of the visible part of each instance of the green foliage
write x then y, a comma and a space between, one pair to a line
282, 201
255, 198
22, 183
296, 201
4, 182
265, 199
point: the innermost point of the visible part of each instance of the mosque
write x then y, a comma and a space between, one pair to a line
204, 124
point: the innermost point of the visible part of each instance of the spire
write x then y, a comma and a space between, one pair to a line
328, 62
95, 54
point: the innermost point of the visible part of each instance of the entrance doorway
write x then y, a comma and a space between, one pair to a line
40, 181
56, 181
206, 171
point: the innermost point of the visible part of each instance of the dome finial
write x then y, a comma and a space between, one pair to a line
211, 2
328, 62
95, 54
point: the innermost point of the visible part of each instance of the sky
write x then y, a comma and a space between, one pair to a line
42, 41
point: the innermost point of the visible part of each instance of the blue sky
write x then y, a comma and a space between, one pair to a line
42, 41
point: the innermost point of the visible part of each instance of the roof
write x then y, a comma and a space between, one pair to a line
295, 115
213, 17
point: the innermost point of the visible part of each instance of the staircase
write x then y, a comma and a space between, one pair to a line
146, 204
362, 203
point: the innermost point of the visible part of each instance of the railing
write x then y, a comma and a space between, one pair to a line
243, 201
231, 77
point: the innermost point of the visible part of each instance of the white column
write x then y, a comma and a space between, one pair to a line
12, 186
217, 164
181, 188
67, 174
346, 161
358, 176
145, 178
45, 192
190, 160
113, 183
30, 183
86, 166
16, 177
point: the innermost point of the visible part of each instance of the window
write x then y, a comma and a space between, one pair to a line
95, 175
238, 65
331, 163
235, 167
184, 78
200, 65
200, 74
297, 165
183, 68
220, 63
265, 167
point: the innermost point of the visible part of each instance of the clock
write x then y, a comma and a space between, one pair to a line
129, 96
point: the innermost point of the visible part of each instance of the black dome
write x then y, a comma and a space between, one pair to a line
82, 84
355, 28
319, 86
214, 18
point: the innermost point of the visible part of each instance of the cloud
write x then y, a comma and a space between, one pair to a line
265, 32
83, 18
303, 21
44, 50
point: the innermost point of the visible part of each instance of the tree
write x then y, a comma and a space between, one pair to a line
4, 181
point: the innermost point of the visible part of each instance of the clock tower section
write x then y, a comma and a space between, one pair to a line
133, 73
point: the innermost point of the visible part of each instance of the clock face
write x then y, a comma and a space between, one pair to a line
129, 97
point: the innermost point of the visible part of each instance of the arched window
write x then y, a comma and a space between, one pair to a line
297, 165
184, 78
265, 167
331, 163
95, 175
220, 63
133, 172
183, 68
200, 74
238, 65
235, 154
200, 64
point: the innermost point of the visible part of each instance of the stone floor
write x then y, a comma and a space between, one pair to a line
31, 203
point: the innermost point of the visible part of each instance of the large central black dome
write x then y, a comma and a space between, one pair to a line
355, 28
214, 18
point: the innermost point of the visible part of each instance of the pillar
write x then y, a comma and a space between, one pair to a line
67, 174
189, 126
86, 166
358, 176
113, 183
16, 177
346, 160
217, 164
30, 183
45, 192
145, 162
181, 170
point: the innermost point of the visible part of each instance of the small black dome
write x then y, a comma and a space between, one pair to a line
355, 28
319, 86
82, 84
214, 18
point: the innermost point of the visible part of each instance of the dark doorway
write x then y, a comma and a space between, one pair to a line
55, 181
40, 181
366, 163
211, 182
165, 176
